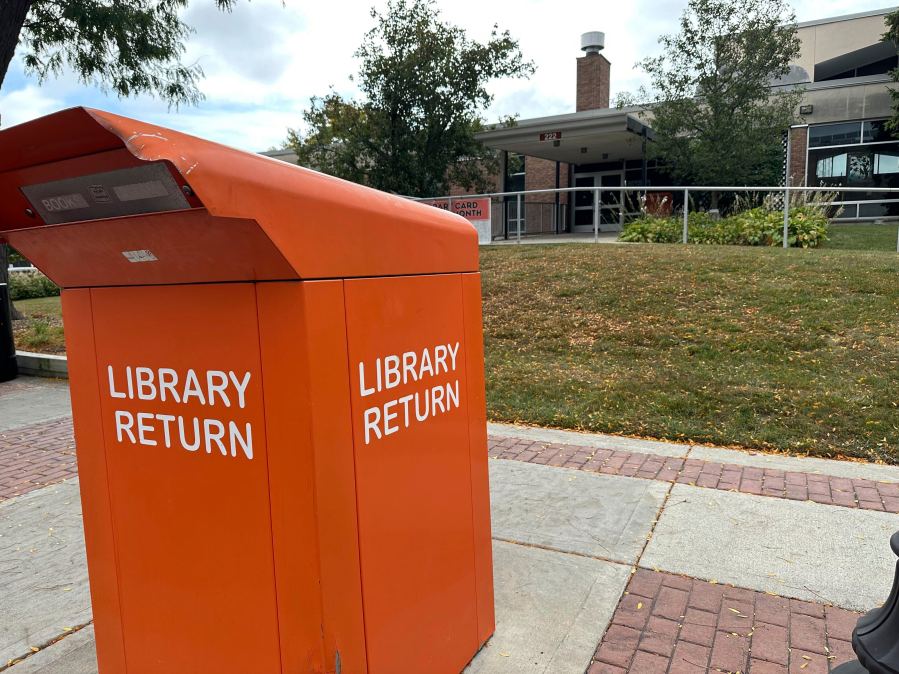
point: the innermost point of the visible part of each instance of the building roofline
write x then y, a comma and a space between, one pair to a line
860, 81
846, 17
567, 118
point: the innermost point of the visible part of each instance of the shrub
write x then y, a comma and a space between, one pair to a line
16, 259
754, 227
25, 285
651, 229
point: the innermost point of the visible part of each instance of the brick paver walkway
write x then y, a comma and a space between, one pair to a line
850, 493
668, 624
664, 623
36, 455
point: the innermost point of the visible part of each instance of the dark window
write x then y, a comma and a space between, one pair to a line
880, 210
849, 211
875, 132
845, 133
881, 67
872, 166
583, 217
515, 173
583, 198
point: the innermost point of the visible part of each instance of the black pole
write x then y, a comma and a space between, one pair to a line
8, 366
558, 184
875, 638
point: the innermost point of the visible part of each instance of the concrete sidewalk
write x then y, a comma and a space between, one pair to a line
611, 554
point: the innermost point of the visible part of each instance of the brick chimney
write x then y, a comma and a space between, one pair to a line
592, 74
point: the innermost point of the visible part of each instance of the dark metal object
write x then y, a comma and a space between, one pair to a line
875, 638
854, 667
8, 366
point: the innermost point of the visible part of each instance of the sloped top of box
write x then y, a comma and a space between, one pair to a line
80, 186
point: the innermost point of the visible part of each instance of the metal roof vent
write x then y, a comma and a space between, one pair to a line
593, 42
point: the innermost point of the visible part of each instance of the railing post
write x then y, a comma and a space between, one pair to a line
686, 215
621, 209
505, 219
596, 216
518, 216
786, 217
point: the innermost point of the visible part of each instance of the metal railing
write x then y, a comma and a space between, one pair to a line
532, 217
520, 197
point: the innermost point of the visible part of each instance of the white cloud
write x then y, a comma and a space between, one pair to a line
266, 59
28, 102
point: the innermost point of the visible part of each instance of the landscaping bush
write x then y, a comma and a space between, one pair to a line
755, 227
16, 259
26, 285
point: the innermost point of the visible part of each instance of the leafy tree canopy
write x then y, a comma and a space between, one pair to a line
717, 120
892, 35
127, 47
424, 87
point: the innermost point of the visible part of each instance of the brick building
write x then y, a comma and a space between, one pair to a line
840, 139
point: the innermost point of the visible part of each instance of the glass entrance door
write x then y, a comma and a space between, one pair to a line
609, 201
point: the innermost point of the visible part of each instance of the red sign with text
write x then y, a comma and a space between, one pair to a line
472, 209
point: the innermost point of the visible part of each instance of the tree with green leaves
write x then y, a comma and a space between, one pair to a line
717, 121
892, 35
424, 89
128, 48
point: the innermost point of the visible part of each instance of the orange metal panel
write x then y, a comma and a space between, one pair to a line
313, 495
72, 134
410, 424
330, 417
190, 495
291, 474
99, 537
324, 227
477, 424
190, 247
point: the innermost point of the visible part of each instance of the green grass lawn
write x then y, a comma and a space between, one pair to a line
41, 330
863, 236
791, 350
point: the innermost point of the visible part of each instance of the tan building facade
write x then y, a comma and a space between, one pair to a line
839, 138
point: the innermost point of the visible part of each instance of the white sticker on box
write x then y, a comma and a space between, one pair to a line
139, 256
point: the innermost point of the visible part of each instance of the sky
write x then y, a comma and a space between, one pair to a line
264, 60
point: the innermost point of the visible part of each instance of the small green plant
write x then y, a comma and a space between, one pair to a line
39, 334
26, 285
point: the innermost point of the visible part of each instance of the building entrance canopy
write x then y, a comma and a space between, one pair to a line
586, 137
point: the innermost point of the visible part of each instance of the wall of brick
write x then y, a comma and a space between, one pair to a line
593, 74
798, 147
540, 174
